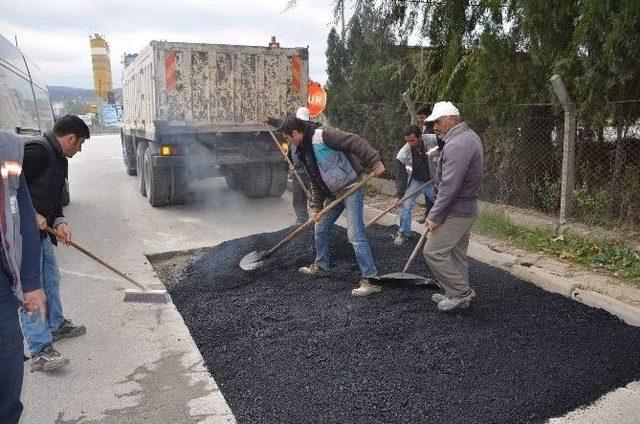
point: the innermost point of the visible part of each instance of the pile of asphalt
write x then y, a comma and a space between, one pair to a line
285, 348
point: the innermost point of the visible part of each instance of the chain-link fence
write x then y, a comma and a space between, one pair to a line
523, 148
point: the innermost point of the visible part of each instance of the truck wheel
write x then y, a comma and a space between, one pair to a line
179, 185
234, 178
142, 146
279, 176
258, 180
157, 181
129, 155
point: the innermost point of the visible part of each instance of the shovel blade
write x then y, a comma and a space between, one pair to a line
253, 260
402, 277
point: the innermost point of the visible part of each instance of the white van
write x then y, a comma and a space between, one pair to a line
25, 104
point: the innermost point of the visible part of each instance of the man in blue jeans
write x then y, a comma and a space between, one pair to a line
19, 273
45, 167
412, 171
334, 160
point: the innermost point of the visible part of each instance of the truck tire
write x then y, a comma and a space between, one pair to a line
179, 185
234, 178
279, 176
129, 154
258, 180
157, 181
140, 148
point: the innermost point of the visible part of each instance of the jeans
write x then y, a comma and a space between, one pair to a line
429, 193
354, 206
38, 332
11, 354
300, 201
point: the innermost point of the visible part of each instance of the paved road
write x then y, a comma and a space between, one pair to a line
137, 363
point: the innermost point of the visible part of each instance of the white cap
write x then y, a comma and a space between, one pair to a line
302, 113
441, 109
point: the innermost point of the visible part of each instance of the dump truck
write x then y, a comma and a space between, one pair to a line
194, 110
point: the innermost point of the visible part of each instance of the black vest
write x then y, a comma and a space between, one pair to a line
46, 190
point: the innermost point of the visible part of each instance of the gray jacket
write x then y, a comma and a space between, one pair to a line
458, 175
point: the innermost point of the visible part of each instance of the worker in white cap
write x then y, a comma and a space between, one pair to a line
459, 173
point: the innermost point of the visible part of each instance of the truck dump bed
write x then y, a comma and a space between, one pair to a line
200, 88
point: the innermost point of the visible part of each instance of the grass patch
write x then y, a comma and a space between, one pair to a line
621, 260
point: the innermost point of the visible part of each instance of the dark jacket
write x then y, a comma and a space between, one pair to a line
458, 175
45, 168
358, 151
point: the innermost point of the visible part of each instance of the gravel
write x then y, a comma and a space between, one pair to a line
286, 348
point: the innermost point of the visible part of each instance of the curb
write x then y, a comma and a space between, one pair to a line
538, 276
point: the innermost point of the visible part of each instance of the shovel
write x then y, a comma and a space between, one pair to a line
404, 275
395, 204
256, 259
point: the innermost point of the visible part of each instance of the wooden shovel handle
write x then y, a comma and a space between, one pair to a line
416, 249
319, 215
290, 164
390, 208
97, 259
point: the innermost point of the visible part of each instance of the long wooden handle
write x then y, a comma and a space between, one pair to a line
390, 208
97, 259
416, 249
290, 164
319, 215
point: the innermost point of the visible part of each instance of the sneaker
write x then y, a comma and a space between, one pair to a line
400, 238
458, 302
313, 269
68, 330
48, 360
365, 288
438, 297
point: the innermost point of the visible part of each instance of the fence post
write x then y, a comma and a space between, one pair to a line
410, 106
568, 150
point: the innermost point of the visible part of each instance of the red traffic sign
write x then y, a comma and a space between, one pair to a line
317, 100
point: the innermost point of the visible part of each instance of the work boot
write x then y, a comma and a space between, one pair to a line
365, 288
400, 239
457, 302
314, 269
68, 330
48, 360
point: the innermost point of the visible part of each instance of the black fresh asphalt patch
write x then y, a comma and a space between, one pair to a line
288, 349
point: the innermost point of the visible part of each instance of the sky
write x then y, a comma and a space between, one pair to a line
55, 34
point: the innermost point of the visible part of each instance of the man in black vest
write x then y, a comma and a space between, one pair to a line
45, 168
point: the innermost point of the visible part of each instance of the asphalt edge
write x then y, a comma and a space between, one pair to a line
538, 276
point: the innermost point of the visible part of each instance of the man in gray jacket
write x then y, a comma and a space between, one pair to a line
458, 177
